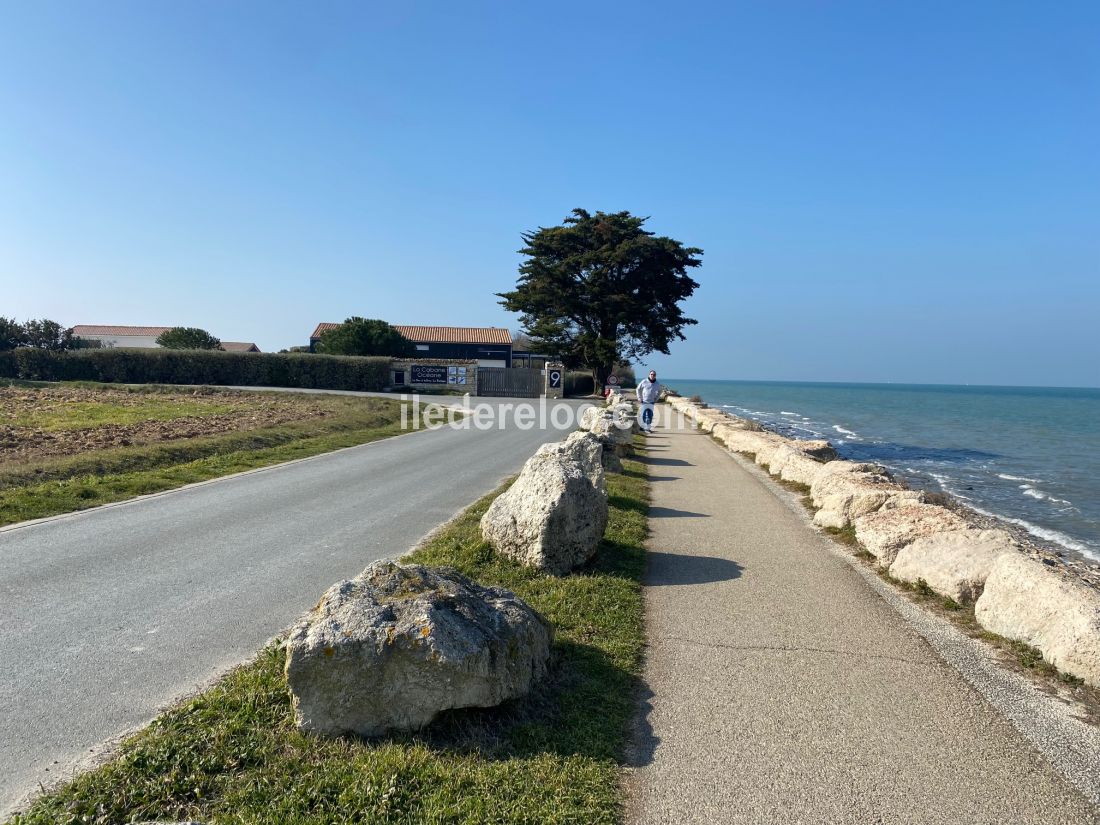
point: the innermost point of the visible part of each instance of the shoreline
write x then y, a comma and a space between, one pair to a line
1045, 485
1076, 561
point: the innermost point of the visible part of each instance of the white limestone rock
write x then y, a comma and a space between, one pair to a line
884, 532
586, 449
1046, 607
392, 648
551, 518
954, 564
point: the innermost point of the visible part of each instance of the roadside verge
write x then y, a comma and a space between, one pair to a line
233, 753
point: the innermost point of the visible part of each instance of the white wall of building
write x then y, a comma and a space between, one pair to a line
120, 341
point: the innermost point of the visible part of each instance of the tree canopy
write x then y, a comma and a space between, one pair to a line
11, 333
365, 336
599, 290
40, 333
188, 338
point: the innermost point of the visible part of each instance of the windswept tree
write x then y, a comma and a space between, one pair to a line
188, 338
365, 336
599, 290
12, 334
42, 333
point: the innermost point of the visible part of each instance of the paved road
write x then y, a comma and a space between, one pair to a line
784, 688
108, 614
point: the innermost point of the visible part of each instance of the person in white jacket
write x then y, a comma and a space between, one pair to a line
648, 392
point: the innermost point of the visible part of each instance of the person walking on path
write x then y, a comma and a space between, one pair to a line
648, 392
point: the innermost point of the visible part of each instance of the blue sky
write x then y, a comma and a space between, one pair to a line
884, 191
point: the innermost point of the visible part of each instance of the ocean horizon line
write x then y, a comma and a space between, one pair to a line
894, 384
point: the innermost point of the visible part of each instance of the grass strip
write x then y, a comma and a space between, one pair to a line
85, 491
233, 754
30, 490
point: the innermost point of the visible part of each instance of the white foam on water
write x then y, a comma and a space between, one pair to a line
843, 431
1043, 496
1007, 477
786, 412
1045, 533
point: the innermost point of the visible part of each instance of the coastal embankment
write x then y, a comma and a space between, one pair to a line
785, 681
1029, 456
930, 541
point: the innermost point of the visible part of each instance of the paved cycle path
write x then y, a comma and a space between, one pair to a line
783, 688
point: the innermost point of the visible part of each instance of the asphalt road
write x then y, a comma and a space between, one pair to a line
109, 614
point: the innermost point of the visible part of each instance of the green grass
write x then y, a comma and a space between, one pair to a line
53, 485
80, 415
233, 755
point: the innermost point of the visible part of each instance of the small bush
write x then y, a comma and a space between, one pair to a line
162, 366
578, 382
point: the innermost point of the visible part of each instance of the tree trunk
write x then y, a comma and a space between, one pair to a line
601, 372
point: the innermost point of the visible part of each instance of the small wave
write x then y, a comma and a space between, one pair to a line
787, 412
843, 431
1007, 477
1043, 496
1045, 533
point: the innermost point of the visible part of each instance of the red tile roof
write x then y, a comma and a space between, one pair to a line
441, 335
456, 335
93, 329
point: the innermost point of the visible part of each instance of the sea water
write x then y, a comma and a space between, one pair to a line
1029, 455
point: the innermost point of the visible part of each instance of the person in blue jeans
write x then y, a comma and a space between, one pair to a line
648, 392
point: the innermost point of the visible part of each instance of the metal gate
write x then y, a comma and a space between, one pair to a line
517, 382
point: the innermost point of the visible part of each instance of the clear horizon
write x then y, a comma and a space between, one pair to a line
903, 194
873, 383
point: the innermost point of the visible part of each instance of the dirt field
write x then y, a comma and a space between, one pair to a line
58, 421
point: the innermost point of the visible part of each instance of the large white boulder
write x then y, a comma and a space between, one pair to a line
844, 476
844, 490
791, 463
1046, 607
781, 450
884, 532
954, 564
551, 518
739, 440
398, 644
590, 416
585, 449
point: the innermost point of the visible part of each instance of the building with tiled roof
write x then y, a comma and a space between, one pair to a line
489, 346
113, 337
120, 336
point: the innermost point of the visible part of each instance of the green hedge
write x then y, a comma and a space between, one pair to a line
578, 382
164, 366
8, 366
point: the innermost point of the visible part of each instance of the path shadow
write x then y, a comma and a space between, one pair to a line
666, 462
642, 742
672, 568
663, 478
669, 512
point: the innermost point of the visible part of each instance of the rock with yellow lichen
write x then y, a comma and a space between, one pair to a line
398, 644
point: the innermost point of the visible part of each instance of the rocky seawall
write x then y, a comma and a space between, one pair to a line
1017, 589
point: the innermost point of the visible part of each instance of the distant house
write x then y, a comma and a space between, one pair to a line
113, 337
108, 336
489, 346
